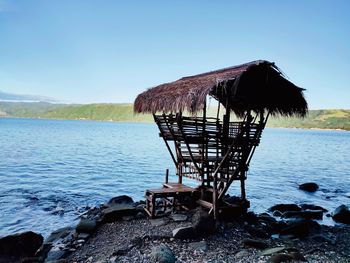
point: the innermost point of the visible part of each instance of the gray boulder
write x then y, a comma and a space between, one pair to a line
285, 207
313, 207
308, 214
184, 232
309, 187
342, 214
203, 223
201, 246
20, 245
122, 199
86, 226
117, 212
255, 243
300, 228
163, 254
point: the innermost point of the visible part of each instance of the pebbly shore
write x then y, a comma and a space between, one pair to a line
120, 231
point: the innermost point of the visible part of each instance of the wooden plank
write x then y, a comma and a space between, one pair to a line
205, 204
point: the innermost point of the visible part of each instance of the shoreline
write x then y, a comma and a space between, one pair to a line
151, 122
120, 231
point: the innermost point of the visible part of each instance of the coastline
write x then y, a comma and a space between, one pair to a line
151, 122
120, 231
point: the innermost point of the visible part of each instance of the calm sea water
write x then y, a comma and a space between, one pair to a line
52, 171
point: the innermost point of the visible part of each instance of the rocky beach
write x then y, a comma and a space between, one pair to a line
119, 231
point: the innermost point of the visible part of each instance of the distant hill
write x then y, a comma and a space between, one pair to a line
5, 96
319, 119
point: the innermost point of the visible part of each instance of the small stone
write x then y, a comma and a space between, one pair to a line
127, 218
277, 213
300, 228
257, 232
309, 187
285, 207
122, 199
83, 235
80, 241
273, 250
178, 217
279, 258
58, 234
86, 226
201, 245
297, 256
140, 215
242, 254
308, 214
157, 222
255, 243
313, 207
163, 254
184, 232
342, 214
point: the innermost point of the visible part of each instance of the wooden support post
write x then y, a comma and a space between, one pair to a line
167, 176
243, 194
215, 198
205, 143
153, 207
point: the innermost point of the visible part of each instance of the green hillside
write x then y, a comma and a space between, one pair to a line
321, 119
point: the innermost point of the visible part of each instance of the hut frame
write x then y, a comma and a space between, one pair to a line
214, 151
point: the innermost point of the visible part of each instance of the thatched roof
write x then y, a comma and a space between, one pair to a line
252, 86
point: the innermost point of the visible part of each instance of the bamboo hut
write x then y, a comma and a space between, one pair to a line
215, 150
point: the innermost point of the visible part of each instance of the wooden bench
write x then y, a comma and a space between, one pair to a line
170, 196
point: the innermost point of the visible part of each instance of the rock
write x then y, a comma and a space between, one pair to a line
163, 254
277, 226
300, 228
313, 207
184, 232
122, 199
117, 212
201, 245
257, 232
297, 256
309, 187
86, 226
20, 245
273, 250
55, 254
277, 213
285, 207
278, 258
203, 223
322, 238
83, 236
58, 234
308, 214
255, 243
242, 254
342, 214
267, 218
140, 215
251, 218
178, 217
158, 222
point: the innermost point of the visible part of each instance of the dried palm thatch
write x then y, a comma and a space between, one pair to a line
256, 86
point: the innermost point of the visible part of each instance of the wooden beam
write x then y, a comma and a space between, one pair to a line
166, 143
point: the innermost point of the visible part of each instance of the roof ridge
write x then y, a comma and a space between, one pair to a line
256, 62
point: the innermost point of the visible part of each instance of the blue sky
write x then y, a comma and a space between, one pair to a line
109, 51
